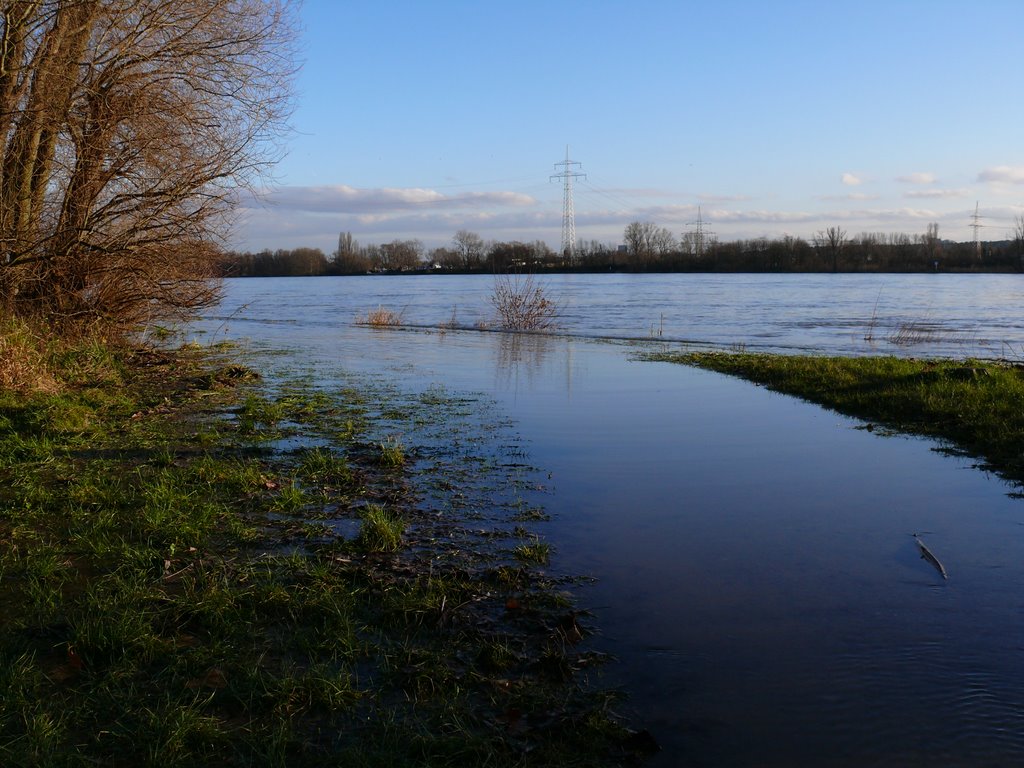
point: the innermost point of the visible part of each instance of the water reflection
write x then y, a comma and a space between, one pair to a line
522, 359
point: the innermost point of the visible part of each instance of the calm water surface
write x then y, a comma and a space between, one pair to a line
757, 577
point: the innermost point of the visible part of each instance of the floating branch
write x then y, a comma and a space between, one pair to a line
926, 554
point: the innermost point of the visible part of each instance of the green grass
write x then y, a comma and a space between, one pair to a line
381, 530
535, 551
392, 452
978, 406
322, 466
166, 598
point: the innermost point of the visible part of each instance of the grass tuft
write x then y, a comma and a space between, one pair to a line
535, 551
381, 529
392, 452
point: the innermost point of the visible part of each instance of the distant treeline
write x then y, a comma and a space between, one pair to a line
648, 248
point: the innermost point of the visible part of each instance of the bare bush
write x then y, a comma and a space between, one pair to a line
521, 304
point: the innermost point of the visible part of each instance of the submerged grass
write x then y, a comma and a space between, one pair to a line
976, 405
166, 600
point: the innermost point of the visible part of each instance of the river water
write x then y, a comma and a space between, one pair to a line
757, 576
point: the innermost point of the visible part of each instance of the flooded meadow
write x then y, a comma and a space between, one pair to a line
755, 570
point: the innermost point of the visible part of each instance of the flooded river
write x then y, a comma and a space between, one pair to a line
757, 576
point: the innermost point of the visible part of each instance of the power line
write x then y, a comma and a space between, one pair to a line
608, 196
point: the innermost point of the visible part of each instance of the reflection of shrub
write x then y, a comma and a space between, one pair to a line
522, 304
381, 317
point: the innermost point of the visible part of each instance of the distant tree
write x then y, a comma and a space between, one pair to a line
636, 237
349, 259
645, 241
347, 245
399, 255
514, 255
351, 262
869, 249
932, 244
470, 247
664, 241
1018, 240
541, 254
448, 258
307, 261
832, 241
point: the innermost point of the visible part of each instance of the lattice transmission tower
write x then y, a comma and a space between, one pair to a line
700, 236
567, 174
976, 225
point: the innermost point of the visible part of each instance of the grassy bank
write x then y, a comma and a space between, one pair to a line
978, 406
197, 568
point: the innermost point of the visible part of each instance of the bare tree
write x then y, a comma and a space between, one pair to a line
833, 240
448, 258
470, 247
646, 240
1018, 240
350, 258
347, 245
134, 128
399, 255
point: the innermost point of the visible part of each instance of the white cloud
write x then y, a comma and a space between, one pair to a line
1004, 174
291, 217
852, 180
937, 193
917, 178
345, 199
857, 196
724, 198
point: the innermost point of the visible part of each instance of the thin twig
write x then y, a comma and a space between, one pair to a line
926, 554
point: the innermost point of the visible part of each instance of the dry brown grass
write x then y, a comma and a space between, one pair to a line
381, 318
23, 361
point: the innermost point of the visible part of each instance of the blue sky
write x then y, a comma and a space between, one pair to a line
416, 119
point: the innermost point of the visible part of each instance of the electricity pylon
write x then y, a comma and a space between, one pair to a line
976, 226
568, 214
700, 235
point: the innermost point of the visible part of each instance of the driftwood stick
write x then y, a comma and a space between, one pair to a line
926, 554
